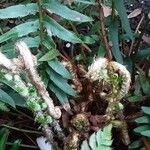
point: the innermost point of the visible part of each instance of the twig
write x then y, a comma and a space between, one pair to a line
146, 143
141, 35
133, 116
21, 130
83, 44
102, 31
23, 114
28, 136
137, 28
23, 145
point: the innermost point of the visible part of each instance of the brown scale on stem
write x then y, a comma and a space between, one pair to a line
73, 70
102, 31
72, 141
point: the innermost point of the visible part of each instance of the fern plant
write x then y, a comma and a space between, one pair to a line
142, 88
102, 140
141, 92
143, 128
38, 31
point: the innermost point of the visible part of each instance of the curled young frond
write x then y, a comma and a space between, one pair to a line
102, 69
97, 66
36, 80
72, 141
7, 63
28, 91
126, 78
19, 63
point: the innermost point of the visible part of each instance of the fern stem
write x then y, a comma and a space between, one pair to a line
83, 45
41, 21
23, 114
21, 130
102, 31
110, 109
23, 145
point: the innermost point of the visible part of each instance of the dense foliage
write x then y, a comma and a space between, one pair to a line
65, 39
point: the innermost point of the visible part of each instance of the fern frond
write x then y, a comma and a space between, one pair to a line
143, 128
22, 11
102, 140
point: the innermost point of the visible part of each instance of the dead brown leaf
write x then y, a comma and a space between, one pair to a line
135, 13
107, 10
146, 39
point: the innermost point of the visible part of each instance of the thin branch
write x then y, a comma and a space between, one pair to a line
23, 114
83, 44
41, 21
102, 31
137, 28
134, 116
24, 145
136, 48
146, 143
21, 130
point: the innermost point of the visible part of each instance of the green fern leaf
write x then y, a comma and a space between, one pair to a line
102, 140
119, 5
63, 11
18, 11
6, 82
92, 2
32, 41
3, 138
85, 146
59, 68
143, 119
20, 30
146, 110
60, 82
142, 128
59, 31
8, 48
49, 55
113, 36
16, 145
146, 133
49, 43
5, 98
135, 145
62, 97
